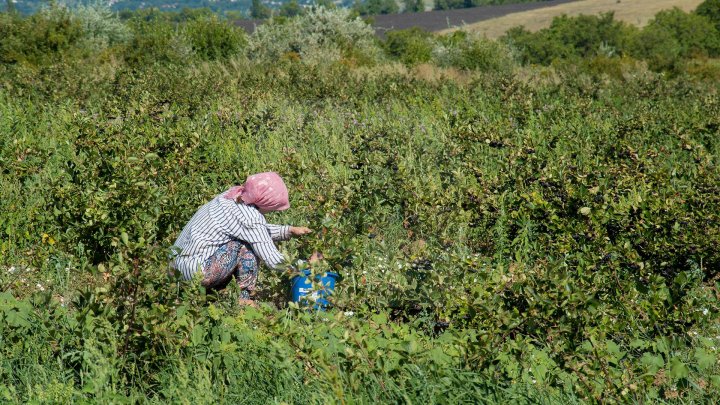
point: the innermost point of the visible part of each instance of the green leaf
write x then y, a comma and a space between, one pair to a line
197, 335
704, 359
678, 369
652, 362
639, 344
124, 238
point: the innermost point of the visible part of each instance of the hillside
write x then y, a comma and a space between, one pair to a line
637, 12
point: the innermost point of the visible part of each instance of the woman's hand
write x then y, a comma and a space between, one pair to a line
299, 230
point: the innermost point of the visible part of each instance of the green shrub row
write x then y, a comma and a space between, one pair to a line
671, 39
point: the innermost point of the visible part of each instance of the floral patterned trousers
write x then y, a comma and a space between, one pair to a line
234, 258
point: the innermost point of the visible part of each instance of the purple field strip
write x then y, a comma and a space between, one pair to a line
442, 19
436, 20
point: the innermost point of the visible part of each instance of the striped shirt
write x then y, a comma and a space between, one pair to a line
220, 221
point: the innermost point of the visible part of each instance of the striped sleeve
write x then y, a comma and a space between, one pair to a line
278, 232
263, 246
250, 226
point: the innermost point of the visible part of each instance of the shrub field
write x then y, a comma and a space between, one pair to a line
506, 232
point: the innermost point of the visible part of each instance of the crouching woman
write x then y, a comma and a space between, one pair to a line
226, 236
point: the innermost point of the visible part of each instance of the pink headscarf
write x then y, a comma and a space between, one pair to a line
266, 191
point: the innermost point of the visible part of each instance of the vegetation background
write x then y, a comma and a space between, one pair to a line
532, 219
237, 9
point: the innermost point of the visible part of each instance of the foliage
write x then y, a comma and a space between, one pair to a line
320, 36
452, 4
510, 234
154, 14
157, 42
670, 38
673, 36
710, 9
45, 36
413, 6
570, 37
410, 46
259, 10
291, 9
695, 35
101, 28
212, 39
375, 7
658, 46
472, 52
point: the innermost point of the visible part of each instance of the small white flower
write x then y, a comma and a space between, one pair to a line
705, 311
40, 287
349, 313
11, 269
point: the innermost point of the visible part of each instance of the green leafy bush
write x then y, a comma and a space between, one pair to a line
569, 37
320, 36
710, 9
695, 35
101, 28
157, 42
212, 39
453, 4
376, 7
45, 36
410, 46
472, 52
656, 45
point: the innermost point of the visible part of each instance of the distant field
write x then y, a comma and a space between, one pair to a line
436, 20
637, 12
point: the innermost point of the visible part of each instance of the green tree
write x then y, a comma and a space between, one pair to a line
291, 9
375, 7
10, 7
410, 46
453, 4
657, 46
259, 10
328, 4
710, 9
695, 34
567, 37
234, 15
413, 6
213, 39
